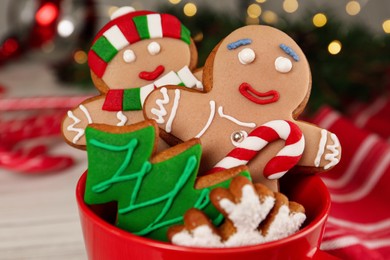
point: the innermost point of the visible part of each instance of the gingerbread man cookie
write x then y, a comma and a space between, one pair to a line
136, 52
257, 81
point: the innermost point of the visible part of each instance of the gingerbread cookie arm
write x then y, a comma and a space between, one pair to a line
90, 111
170, 108
322, 148
75, 122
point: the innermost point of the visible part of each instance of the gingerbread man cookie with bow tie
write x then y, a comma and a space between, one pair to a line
133, 54
257, 82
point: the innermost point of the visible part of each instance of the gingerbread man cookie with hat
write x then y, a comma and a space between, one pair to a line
257, 82
134, 53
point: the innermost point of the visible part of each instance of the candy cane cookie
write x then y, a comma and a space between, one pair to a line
284, 160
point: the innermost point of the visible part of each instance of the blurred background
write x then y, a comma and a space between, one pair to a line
346, 38
44, 72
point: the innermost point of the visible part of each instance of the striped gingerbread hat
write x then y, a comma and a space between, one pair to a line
127, 27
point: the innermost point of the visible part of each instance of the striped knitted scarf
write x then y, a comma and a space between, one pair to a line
134, 98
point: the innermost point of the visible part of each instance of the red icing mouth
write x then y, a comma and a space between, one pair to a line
152, 75
258, 97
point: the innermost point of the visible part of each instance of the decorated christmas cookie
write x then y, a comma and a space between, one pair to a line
136, 52
257, 82
253, 215
152, 191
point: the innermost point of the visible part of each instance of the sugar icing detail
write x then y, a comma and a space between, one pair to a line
334, 148
161, 111
246, 217
80, 131
246, 56
289, 51
209, 120
234, 120
86, 113
321, 147
166, 199
122, 118
284, 224
236, 44
201, 236
72, 128
283, 65
172, 116
154, 48
129, 56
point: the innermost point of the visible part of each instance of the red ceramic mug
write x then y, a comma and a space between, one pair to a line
104, 241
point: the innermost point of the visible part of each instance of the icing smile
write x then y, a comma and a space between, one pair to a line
152, 75
258, 97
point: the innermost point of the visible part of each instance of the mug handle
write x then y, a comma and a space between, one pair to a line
322, 255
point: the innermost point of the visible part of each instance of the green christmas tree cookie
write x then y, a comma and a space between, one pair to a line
152, 191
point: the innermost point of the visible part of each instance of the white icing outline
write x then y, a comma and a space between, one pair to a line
172, 116
234, 120
80, 131
321, 147
122, 118
334, 152
86, 113
71, 128
161, 112
210, 119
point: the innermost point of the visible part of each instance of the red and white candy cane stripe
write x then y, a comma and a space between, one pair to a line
271, 131
34, 160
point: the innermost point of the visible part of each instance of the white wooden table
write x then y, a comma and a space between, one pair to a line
38, 213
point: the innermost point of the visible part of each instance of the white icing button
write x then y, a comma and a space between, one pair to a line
154, 48
246, 56
129, 56
238, 137
283, 65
